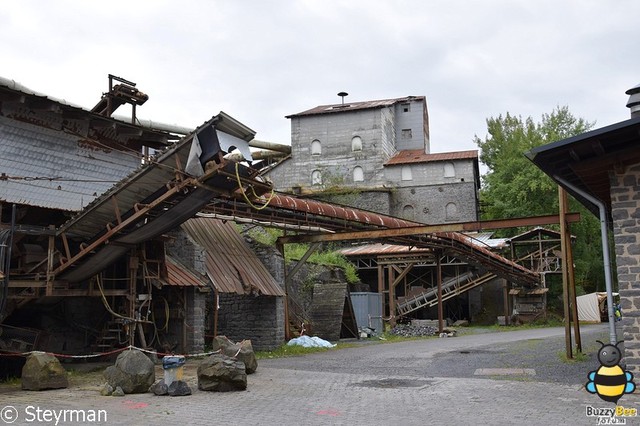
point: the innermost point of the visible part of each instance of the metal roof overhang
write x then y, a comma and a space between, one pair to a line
231, 265
163, 191
586, 160
61, 115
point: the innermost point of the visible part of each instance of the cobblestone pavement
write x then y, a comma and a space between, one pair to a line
278, 395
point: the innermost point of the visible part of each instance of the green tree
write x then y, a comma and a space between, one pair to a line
514, 187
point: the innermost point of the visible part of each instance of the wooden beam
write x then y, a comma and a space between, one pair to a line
402, 274
430, 229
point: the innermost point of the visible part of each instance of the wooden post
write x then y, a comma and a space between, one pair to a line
392, 297
133, 275
439, 278
381, 289
565, 272
571, 277
507, 315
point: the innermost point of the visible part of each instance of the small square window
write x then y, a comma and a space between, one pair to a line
406, 107
406, 134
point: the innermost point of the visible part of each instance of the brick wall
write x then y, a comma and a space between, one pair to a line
625, 209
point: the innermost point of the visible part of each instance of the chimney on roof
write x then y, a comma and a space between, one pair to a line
634, 101
342, 95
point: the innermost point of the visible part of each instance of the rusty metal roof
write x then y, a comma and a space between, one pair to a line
231, 265
356, 106
419, 156
381, 250
179, 275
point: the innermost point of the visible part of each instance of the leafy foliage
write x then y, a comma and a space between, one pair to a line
327, 257
515, 187
268, 236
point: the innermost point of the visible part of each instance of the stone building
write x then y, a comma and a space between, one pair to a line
375, 155
601, 169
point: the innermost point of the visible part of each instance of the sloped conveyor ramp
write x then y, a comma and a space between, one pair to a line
158, 197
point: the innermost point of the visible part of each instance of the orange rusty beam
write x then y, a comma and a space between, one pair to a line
430, 229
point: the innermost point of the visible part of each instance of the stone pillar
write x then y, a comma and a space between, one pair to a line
195, 319
625, 208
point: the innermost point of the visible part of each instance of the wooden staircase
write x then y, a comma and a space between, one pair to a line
111, 336
450, 288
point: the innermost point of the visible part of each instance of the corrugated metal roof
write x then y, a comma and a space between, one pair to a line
180, 275
418, 156
525, 292
231, 265
381, 249
486, 239
534, 232
52, 169
355, 106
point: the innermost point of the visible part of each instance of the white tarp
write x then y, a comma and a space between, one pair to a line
589, 306
310, 342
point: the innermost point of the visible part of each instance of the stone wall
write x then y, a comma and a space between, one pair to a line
375, 201
187, 251
436, 203
260, 319
625, 210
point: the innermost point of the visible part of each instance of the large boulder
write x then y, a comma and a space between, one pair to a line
43, 371
221, 373
243, 351
134, 372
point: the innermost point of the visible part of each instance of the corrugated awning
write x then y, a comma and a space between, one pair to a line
231, 265
523, 292
180, 275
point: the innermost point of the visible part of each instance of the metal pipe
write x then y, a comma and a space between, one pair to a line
604, 236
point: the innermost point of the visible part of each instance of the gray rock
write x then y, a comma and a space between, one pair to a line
179, 388
159, 388
43, 371
133, 372
243, 351
220, 373
106, 390
118, 392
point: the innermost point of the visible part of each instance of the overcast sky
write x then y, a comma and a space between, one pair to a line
261, 60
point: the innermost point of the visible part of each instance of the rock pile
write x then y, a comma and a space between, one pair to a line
409, 330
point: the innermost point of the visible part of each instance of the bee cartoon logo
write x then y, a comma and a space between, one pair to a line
610, 381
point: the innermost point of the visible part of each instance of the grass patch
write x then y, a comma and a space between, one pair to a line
11, 381
577, 357
287, 351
